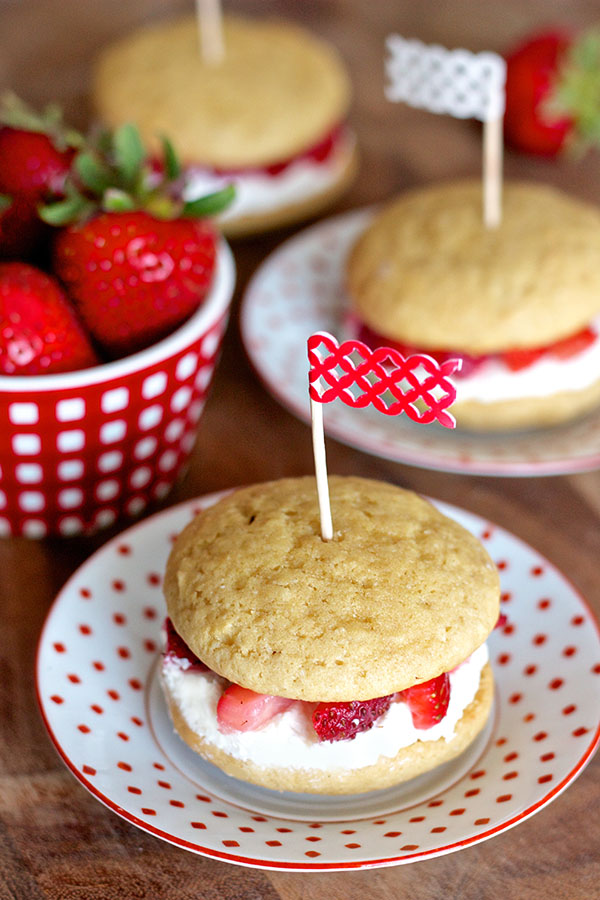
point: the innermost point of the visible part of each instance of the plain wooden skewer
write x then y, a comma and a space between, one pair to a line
210, 30
492, 172
318, 440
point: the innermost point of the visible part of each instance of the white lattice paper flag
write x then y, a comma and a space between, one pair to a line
461, 84
456, 82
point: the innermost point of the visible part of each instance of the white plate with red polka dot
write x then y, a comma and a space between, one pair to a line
298, 290
99, 697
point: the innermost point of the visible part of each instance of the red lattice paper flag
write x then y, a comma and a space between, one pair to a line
416, 385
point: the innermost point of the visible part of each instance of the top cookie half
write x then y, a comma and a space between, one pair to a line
277, 91
400, 595
428, 273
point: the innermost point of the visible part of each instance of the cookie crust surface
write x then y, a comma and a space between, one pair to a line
428, 273
278, 90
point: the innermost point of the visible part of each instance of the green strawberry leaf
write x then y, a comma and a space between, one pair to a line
209, 205
129, 152
15, 113
63, 212
103, 142
577, 91
52, 114
5, 202
93, 174
171, 160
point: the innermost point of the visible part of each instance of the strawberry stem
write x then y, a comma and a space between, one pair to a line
115, 175
116, 200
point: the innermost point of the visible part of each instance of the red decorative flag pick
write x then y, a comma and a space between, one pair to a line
416, 385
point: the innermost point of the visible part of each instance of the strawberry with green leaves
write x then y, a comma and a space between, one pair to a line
36, 151
134, 257
553, 92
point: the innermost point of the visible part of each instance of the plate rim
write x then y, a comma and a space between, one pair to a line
274, 865
498, 468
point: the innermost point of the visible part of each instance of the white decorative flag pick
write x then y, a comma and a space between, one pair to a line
461, 84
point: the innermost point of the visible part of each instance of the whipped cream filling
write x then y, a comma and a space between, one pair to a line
493, 381
258, 192
289, 739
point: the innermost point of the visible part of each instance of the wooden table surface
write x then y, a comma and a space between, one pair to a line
56, 840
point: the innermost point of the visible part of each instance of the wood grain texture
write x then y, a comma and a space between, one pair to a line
56, 841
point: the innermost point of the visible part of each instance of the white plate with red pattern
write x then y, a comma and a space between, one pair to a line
299, 290
99, 697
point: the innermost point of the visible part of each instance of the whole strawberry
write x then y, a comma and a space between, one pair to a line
553, 92
135, 259
39, 330
21, 229
36, 151
135, 278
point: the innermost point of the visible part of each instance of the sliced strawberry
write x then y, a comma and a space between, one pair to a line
323, 150
468, 362
428, 702
343, 721
521, 358
502, 621
240, 709
515, 360
39, 330
571, 346
177, 651
375, 340
317, 153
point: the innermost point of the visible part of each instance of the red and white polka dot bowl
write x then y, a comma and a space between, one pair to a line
80, 450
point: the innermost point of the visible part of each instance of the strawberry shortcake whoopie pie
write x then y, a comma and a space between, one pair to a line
335, 666
268, 116
520, 304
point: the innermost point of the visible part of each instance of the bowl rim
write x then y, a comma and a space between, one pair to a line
218, 300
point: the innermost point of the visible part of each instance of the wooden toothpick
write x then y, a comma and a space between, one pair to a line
210, 31
492, 172
318, 441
